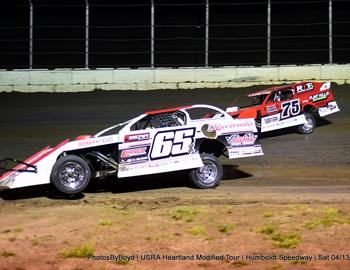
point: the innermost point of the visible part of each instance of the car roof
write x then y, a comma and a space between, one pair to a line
271, 89
167, 110
260, 92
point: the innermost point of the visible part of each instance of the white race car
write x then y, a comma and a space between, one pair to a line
184, 138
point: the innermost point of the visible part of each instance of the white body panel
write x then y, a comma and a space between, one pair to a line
160, 166
273, 122
44, 165
250, 151
332, 107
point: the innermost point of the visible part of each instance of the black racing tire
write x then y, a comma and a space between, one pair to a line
71, 174
309, 126
209, 175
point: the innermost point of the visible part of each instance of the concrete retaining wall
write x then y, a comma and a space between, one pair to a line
76, 80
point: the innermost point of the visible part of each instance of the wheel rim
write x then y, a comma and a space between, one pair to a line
309, 125
72, 175
208, 173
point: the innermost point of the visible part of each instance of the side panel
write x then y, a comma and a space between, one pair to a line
243, 144
289, 115
274, 122
162, 165
246, 151
151, 151
238, 135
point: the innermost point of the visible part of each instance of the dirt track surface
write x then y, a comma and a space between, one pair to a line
300, 188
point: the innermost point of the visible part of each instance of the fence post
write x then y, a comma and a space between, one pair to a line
152, 33
30, 34
330, 29
269, 32
87, 15
207, 33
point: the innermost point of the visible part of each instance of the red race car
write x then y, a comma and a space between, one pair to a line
286, 106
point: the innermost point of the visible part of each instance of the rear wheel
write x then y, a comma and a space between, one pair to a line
209, 175
309, 126
71, 174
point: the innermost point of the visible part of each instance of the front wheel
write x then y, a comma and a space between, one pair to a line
309, 126
71, 174
209, 175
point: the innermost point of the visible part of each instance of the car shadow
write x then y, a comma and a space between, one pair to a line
322, 122
157, 181
36, 192
118, 186
232, 172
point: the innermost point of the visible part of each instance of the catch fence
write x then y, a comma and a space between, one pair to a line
93, 34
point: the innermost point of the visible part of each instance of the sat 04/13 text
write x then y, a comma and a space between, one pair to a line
334, 257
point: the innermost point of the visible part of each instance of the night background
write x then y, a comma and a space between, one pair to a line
120, 33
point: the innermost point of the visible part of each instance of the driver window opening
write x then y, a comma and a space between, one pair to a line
281, 95
161, 120
200, 113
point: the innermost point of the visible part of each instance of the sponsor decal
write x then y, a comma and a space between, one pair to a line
95, 141
319, 96
134, 159
220, 127
257, 150
272, 119
133, 155
244, 151
239, 140
232, 109
172, 143
325, 86
288, 122
304, 87
157, 165
209, 134
133, 152
271, 109
136, 137
331, 106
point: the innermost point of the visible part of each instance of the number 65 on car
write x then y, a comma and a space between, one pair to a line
185, 138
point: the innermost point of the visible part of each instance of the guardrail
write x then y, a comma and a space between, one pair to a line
201, 33
76, 80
